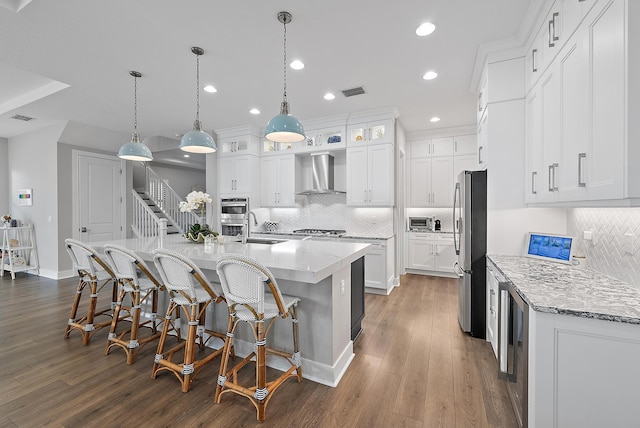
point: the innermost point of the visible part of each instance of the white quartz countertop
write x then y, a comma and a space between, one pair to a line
570, 290
304, 261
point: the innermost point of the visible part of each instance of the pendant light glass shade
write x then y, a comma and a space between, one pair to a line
135, 150
284, 128
196, 140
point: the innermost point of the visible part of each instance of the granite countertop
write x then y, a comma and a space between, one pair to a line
346, 236
570, 290
296, 260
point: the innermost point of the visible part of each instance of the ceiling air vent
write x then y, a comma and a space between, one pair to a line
353, 92
20, 117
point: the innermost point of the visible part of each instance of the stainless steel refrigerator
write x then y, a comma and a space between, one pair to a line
470, 240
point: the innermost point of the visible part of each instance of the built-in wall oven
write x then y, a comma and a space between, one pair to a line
233, 216
513, 348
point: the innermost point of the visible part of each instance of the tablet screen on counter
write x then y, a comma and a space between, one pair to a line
556, 248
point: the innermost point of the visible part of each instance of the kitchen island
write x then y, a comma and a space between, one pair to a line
317, 272
583, 343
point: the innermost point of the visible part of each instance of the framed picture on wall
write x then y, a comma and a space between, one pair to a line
25, 197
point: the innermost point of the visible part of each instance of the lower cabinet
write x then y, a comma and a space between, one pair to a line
378, 266
431, 253
493, 284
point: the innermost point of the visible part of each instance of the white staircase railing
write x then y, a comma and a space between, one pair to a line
145, 223
168, 201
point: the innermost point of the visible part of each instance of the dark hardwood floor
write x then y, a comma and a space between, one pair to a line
413, 368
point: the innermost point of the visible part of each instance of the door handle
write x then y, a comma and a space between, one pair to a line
84, 230
552, 30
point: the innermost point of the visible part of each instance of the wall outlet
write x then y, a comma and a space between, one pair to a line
342, 287
587, 235
628, 243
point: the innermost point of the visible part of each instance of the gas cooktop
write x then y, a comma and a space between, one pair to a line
321, 232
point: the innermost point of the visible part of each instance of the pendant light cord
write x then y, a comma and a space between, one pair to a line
284, 95
135, 104
197, 87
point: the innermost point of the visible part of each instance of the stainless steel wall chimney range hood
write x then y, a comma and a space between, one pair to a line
322, 170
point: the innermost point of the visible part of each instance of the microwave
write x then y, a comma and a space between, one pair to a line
420, 224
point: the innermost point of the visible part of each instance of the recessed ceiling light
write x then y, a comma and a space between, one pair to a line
254, 111
429, 75
186, 156
210, 88
297, 64
435, 119
425, 29
329, 96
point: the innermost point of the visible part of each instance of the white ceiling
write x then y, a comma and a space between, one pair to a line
90, 45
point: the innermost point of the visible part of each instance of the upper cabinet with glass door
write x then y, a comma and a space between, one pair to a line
330, 138
238, 141
374, 132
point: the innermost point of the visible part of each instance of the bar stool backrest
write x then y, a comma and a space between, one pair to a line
85, 259
180, 274
126, 264
243, 281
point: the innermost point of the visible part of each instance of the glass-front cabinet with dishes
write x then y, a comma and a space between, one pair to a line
376, 132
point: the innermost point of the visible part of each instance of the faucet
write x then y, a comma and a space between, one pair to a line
255, 220
245, 229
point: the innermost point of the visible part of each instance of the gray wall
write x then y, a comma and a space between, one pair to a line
32, 158
4, 176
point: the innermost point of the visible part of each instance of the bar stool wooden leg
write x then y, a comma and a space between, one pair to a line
296, 343
226, 352
163, 337
74, 308
261, 375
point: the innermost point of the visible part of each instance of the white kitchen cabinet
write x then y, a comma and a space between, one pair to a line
379, 266
533, 148
430, 172
431, 182
482, 152
238, 175
433, 147
464, 145
500, 81
431, 253
464, 163
279, 180
329, 138
243, 140
578, 116
494, 278
370, 175
373, 132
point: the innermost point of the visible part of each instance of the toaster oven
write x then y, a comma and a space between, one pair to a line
420, 224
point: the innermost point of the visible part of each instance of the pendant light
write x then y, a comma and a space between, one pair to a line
135, 150
197, 141
284, 128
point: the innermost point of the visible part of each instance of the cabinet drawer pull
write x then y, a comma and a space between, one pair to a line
480, 160
534, 175
533, 60
581, 157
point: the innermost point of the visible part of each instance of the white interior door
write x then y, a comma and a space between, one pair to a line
99, 198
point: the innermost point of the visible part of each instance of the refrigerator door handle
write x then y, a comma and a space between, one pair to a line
460, 271
456, 233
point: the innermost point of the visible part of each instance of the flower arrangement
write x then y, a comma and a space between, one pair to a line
197, 201
6, 219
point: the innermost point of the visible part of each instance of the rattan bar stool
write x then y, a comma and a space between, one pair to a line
244, 282
190, 290
138, 283
95, 273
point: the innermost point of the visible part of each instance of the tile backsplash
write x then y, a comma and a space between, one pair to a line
331, 212
610, 252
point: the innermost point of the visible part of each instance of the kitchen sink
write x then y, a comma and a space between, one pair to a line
266, 241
